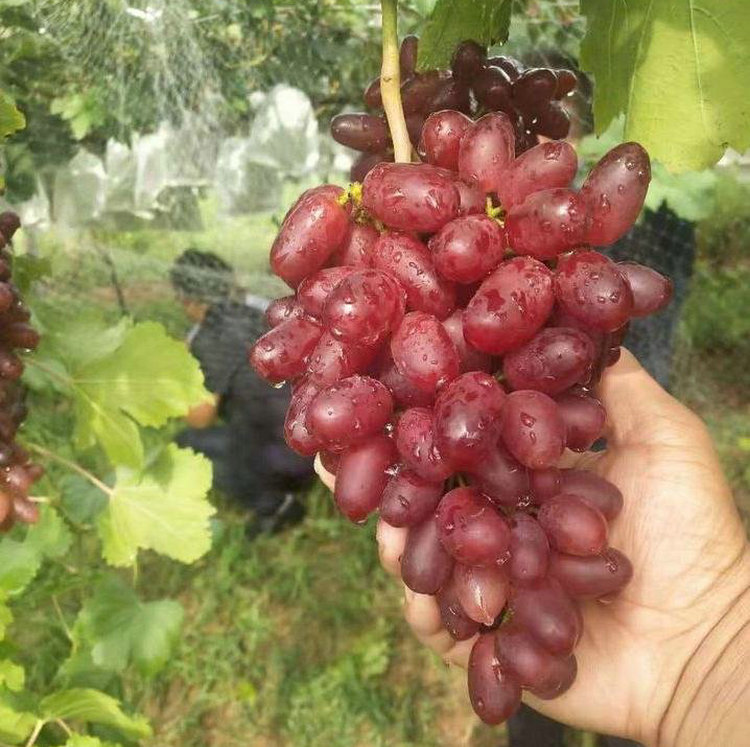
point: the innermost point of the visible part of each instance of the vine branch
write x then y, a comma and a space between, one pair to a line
93, 479
390, 83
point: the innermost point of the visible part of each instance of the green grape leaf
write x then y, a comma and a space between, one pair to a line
79, 740
80, 501
6, 616
11, 119
148, 379
678, 70
50, 537
27, 268
93, 707
163, 509
15, 726
454, 21
121, 629
12, 676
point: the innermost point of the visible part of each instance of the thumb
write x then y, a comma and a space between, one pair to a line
640, 411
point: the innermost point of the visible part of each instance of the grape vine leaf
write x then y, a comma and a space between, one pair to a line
679, 70
80, 501
11, 119
6, 616
93, 707
12, 675
15, 726
79, 740
163, 508
121, 629
454, 21
145, 380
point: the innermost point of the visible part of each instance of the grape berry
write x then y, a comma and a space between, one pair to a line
450, 324
17, 472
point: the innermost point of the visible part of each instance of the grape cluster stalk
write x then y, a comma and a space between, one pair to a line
449, 323
17, 472
475, 85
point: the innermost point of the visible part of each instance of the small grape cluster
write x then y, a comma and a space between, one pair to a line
443, 351
17, 472
474, 85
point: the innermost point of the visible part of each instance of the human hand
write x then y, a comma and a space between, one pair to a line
645, 656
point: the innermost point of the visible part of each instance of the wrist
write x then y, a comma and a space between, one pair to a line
711, 701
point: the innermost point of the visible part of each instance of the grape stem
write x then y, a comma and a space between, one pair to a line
390, 83
93, 479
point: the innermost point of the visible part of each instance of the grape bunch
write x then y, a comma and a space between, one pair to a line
474, 85
17, 472
449, 324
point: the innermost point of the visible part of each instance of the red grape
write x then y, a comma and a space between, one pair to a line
364, 307
409, 499
471, 359
362, 475
367, 162
482, 592
408, 260
296, 433
614, 192
534, 87
566, 82
503, 479
423, 351
492, 87
468, 60
468, 248
589, 286
361, 131
494, 693
403, 390
529, 550
487, 150
408, 55
456, 621
356, 251
283, 309
467, 419
349, 411
545, 166
426, 566
532, 429
584, 417
313, 229
333, 359
544, 483
415, 441
314, 290
441, 137
573, 526
510, 306
417, 92
555, 359
536, 669
282, 353
546, 223
548, 614
452, 94
472, 199
595, 490
471, 529
651, 290
591, 577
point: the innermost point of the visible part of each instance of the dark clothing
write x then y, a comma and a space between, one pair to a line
252, 464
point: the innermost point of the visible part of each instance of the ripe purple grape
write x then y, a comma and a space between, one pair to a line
364, 307
532, 429
349, 411
492, 87
362, 475
501, 477
333, 359
415, 441
487, 150
510, 306
595, 490
409, 499
296, 433
614, 192
411, 197
533, 88
356, 251
418, 92
364, 132
591, 577
471, 528
468, 60
652, 291
589, 286
314, 290
573, 526
468, 248
460, 626
426, 566
482, 591
408, 55
467, 419
282, 353
423, 351
405, 394
471, 359
283, 309
494, 693
313, 229
408, 260
584, 417
529, 551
